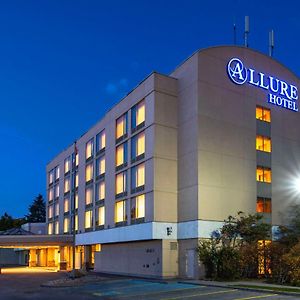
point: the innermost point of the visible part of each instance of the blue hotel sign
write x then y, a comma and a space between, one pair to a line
280, 93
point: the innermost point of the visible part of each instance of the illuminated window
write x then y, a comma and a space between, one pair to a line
88, 219
89, 172
121, 126
76, 200
121, 155
76, 222
89, 149
51, 176
138, 115
50, 228
75, 184
56, 227
100, 191
264, 261
138, 177
57, 191
89, 196
263, 174
75, 159
76, 180
56, 209
100, 141
100, 216
50, 194
121, 183
263, 114
263, 205
66, 205
67, 185
57, 173
50, 212
67, 165
263, 143
66, 225
138, 146
138, 207
100, 166
120, 211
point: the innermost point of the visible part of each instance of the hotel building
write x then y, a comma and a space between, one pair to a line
166, 165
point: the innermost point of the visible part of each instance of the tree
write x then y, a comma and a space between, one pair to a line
37, 210
6, 222
238, 249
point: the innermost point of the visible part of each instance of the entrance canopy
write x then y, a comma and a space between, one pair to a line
35, 240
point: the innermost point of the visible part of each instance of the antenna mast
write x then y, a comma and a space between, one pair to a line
271, 42
246, 30
234, 33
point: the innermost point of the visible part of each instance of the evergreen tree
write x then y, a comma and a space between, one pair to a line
6, 222
37, 210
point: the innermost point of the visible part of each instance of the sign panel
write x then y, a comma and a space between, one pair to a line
280, 93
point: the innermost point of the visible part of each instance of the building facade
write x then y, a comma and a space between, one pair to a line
168, 163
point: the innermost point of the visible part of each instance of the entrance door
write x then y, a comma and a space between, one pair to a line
190, 263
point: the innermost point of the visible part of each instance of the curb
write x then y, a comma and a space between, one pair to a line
245, 288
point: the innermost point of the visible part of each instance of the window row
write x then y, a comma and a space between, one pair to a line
137, 150
263, 143
100, 145
263, 205
53, 175
53, 193
263, 174
137, 212
74, 159
53, 210
263, 114
137, 120
137, 180
137, 184
100, 169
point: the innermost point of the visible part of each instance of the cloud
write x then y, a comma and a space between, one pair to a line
117, 86
111, 88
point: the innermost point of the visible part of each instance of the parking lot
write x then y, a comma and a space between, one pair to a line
25, 284
143, 289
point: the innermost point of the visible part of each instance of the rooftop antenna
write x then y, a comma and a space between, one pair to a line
234, 33
246, 30
271, 42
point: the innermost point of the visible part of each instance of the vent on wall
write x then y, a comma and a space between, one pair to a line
173, 246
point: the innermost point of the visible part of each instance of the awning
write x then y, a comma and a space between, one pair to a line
25, 241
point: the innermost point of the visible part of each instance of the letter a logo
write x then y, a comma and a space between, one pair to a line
236, 71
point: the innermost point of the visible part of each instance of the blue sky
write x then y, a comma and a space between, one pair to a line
64, 63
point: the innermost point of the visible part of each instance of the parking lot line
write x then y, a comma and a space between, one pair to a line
129, 295
200, 294
256, 297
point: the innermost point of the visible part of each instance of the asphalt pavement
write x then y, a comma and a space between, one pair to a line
28, 285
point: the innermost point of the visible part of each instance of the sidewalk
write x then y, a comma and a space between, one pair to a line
253, 285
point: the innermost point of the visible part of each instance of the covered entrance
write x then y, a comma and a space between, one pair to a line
52, 251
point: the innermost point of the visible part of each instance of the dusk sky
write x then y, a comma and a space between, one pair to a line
65, 63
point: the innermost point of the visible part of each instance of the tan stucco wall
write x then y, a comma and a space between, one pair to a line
150, 258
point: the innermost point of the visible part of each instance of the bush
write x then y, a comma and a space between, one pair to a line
207, 253
221, 262
292, 261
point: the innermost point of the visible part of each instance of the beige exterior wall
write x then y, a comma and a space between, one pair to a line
200, 162
159, 93
150, 258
